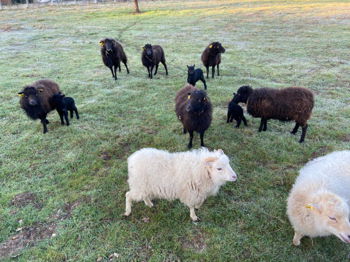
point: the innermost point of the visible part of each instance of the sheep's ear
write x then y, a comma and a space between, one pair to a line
234, 93
102, 43
220, 151
20, 94
313, 207
210, 160
211, 46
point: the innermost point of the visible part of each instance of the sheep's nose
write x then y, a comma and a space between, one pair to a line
32, 102
188, 108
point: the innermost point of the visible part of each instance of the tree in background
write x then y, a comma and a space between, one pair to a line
137, 10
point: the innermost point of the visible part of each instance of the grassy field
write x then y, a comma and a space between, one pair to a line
62, 193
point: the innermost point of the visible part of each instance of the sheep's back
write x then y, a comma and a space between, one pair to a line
120, 52
49, 88
158, 53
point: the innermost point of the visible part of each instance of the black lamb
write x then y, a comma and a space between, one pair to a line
112, 53
211, 56
63, 105
193, 75
194, 110
235, 112
151, 56
36, 100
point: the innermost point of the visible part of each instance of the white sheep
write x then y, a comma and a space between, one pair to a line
188, 176
318, 204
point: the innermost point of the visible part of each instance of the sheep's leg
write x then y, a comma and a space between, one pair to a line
238, 123
155, 72
44, 122
166, 68
265, 125
120, 68
115, 73
244, 120
193, 215
76, 112
152, 71
201, 134
296, 238
295, 129
184, 131
148, 202
228, 117
61, 116
218, 69
71, 113
207, 67
112, 71
203, 80
212, 71
149, 73
261, 124
191, 138
128, 204
65, 113
126, 66
303, 133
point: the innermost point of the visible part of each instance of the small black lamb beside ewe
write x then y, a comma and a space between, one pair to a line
291, 103
64, 104
194, 110
151, 56
235, 112
112, 53
193, 75
211, 56
37, 100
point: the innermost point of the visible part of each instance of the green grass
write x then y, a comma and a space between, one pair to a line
268, 44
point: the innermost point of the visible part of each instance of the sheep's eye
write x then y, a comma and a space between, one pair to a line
219, 168
332, 218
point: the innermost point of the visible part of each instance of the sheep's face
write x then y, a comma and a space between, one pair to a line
197, 102
217, 47
108, 44
148, 50
219, 168
30, 95
242, 94
190, 69
332, 214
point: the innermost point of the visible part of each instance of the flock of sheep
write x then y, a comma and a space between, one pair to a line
318, 202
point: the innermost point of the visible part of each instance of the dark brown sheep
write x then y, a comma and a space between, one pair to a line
194, 110
292, 103
151, 56
211, 56
112, 53
36, 100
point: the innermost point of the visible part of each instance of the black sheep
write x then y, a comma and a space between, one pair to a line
194, 110
36, 100
235, 112
211, 56
63, 105
112, 53
291, 103
193, 75
151, 56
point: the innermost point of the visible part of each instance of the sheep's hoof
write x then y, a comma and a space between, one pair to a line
126, 214
196, 219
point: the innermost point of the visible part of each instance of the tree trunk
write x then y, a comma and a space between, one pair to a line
137, 10
27, 3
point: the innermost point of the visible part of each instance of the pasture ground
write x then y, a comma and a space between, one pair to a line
62, 193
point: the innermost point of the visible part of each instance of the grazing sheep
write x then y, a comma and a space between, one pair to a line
151, 56
235, 112
64, 104
292, 103
194, 110
211, 56
112, 53
36, 100
193, 75
188, 176
318, 204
